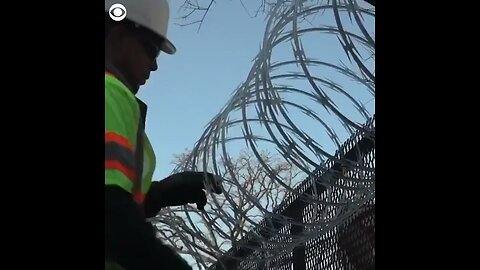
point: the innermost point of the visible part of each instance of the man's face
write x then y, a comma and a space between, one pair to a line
134, 51
143, 58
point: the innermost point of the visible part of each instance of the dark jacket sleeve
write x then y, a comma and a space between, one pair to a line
153, 200
130, 240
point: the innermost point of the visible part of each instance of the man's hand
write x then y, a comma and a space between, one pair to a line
180, 189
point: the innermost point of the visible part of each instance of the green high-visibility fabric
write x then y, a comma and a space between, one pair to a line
122, 116
149, 163
109, 265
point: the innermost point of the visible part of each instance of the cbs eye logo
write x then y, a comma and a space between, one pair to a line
117, 12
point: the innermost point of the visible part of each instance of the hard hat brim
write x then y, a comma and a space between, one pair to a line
168, 47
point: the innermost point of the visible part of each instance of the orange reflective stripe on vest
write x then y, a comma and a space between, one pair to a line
112, 137
119, 155
138, 196
109, 74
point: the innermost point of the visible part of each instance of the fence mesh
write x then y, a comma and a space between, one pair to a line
348, 245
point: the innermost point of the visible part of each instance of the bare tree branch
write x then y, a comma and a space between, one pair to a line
253, 180
192, 7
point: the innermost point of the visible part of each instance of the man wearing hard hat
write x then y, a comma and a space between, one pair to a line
135, 34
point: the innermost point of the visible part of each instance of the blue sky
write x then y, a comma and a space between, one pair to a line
193, 85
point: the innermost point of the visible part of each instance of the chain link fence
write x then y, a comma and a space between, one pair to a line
348, 244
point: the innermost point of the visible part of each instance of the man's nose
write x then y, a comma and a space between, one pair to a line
154, 65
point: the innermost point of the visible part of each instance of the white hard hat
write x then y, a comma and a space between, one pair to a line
151, 14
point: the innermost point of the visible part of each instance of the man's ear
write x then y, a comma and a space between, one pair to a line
118, 39
116, 33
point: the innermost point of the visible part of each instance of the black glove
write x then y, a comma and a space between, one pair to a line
180, 189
